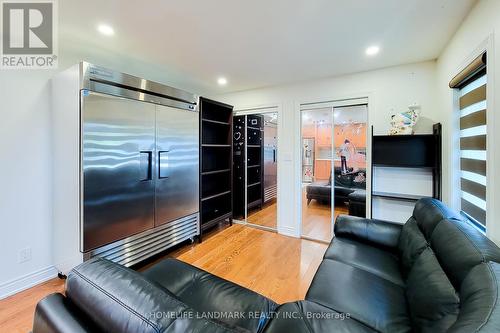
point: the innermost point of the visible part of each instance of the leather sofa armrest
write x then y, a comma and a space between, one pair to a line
55, 313
380, 233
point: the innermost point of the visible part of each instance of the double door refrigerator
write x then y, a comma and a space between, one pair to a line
126, 166
307, 160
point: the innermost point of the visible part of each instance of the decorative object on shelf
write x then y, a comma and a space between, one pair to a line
402, 123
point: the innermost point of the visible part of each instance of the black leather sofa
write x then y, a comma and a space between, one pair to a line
346, 190
436, 273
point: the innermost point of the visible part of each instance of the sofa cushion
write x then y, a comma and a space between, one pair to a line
208, 293
371, 259
118, 299
459, 247
469, 260
429, 212
411, 244
433, 302
368, 298
480, 300
376, 233
308, 317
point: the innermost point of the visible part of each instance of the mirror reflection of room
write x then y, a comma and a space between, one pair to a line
333, 153
255, 169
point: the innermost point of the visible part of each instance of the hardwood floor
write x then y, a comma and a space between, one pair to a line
16, 312
273, 265
266, 217
316, 219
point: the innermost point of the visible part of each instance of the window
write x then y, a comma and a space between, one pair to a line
471, 84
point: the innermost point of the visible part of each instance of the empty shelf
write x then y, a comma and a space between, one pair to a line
215, 122
398, 196
214, 145
215, 172
215, 195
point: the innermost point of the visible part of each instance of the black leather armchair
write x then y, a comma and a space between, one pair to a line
436, 273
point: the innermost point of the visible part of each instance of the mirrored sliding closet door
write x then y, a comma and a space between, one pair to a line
255, 162
334, 139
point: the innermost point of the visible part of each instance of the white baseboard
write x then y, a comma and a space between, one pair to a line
288, 231
27, 281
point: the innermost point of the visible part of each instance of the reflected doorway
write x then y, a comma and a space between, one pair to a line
334, 140
255, 165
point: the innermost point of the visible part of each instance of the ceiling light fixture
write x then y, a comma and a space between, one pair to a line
372, 50
222, 81
105, 30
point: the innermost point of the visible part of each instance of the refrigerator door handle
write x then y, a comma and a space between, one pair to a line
162, 164
146, 162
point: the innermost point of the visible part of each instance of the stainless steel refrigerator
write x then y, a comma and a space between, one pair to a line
270, 157
307, 160
140, 166
137, 170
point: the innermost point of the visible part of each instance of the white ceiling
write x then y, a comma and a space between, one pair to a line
262, 42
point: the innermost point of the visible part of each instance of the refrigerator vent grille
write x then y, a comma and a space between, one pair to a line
270, 193
144, 245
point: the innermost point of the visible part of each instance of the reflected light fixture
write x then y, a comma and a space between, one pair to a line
105, 29
372, 50
222, 81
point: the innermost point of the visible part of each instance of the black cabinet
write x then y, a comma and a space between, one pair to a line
216, 171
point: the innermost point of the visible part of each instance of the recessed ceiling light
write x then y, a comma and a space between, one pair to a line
105, 30
222, 81
372, 50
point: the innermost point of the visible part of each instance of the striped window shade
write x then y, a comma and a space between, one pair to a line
472, 103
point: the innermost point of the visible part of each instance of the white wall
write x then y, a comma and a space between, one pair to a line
390, 90
25, 150
480, 29
25, 200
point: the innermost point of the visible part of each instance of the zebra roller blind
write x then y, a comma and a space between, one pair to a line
473, 143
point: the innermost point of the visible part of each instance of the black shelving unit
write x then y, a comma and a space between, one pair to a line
216, 169
239, 156
248, 155
420, 151
255, 161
